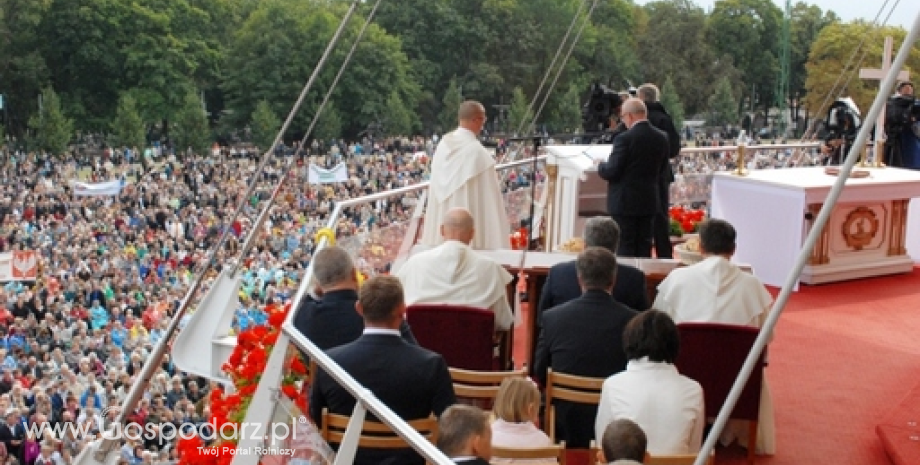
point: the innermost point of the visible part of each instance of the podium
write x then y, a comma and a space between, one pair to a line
773, 212
576, 190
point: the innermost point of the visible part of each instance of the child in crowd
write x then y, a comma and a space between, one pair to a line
516, 408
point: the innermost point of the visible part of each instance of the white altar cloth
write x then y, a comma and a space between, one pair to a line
768, 209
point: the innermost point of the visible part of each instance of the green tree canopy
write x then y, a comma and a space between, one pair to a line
265, 125
398, 121
723, 108
191, 126
450, 106
128, 129
51, 129
520, 116
670, 100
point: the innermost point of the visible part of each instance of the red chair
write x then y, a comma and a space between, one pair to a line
462, 335
712, 354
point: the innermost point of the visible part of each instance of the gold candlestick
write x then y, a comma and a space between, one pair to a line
879, 154
740, 171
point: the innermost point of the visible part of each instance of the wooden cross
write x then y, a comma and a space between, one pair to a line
879, 75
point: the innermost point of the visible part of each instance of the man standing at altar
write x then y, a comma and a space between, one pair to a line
632, 172
453, 273
463, 176
902, 149
717, 291
660, 119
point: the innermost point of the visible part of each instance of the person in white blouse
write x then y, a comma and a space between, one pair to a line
665, 404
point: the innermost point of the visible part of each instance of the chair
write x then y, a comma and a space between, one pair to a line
561, 386
712, 354
481, 387
374, 434
555, 452
462, 335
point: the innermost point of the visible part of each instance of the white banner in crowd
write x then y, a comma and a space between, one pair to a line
19, 265
87, 189
319, 175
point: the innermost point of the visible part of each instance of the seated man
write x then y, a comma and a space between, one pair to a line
562, 283
716, 291
623, 443
333, 320
665, 404
584, 337
465, 436
453, 273
412, 381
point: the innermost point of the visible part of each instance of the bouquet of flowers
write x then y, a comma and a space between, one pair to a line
685, 220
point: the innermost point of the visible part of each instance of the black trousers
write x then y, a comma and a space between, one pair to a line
635, 235
662, 227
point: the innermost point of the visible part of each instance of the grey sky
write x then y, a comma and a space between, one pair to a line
904, 13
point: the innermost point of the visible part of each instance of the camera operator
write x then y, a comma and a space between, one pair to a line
900, 115
616, 126
842, 123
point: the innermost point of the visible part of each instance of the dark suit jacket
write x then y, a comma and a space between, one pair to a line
412, 381
582, 337
562, 286
633, 170
476, 461
333, 320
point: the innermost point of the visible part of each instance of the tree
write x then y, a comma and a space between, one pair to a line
566, 117
749, 32
51, 129
722, 105
671, 102
806, 23
450, 105
520, 116
190, 126
398, 121
265, 125
329, 125
128, 129
23, 71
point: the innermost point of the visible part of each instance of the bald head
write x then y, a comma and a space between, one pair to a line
472, 116
633, 111
458, 226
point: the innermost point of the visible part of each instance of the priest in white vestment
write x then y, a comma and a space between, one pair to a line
717, 291
463, 176
453, 273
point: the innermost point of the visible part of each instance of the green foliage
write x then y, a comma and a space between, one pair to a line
51, 129
329, 125
265, 125
671, 102
398, 120
566, 117
128, 129
450, 105
190, 126
520, 117
722, 105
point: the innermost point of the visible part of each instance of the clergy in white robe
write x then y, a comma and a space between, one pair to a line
453, 273
463, 176
717, 291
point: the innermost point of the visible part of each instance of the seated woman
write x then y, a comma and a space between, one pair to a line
665, 404
516, 407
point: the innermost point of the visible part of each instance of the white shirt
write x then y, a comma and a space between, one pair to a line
713, 290
665, 404
453, 273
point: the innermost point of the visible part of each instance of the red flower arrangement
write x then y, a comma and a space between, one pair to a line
244, 367
685, 220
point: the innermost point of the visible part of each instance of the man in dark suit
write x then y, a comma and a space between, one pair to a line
412, 381
13, 434
584, 337
659, 118
632, 172
332, 320
562, 281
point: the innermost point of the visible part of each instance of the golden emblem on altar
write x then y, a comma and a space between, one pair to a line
860, 227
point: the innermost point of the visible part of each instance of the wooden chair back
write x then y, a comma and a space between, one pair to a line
374, 434
481, 387
572, 388
555, 452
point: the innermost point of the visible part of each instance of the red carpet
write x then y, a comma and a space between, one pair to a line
843, 357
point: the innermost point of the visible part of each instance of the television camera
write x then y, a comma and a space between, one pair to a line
843, 120
602, 103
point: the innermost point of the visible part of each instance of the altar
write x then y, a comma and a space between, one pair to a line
773, 212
